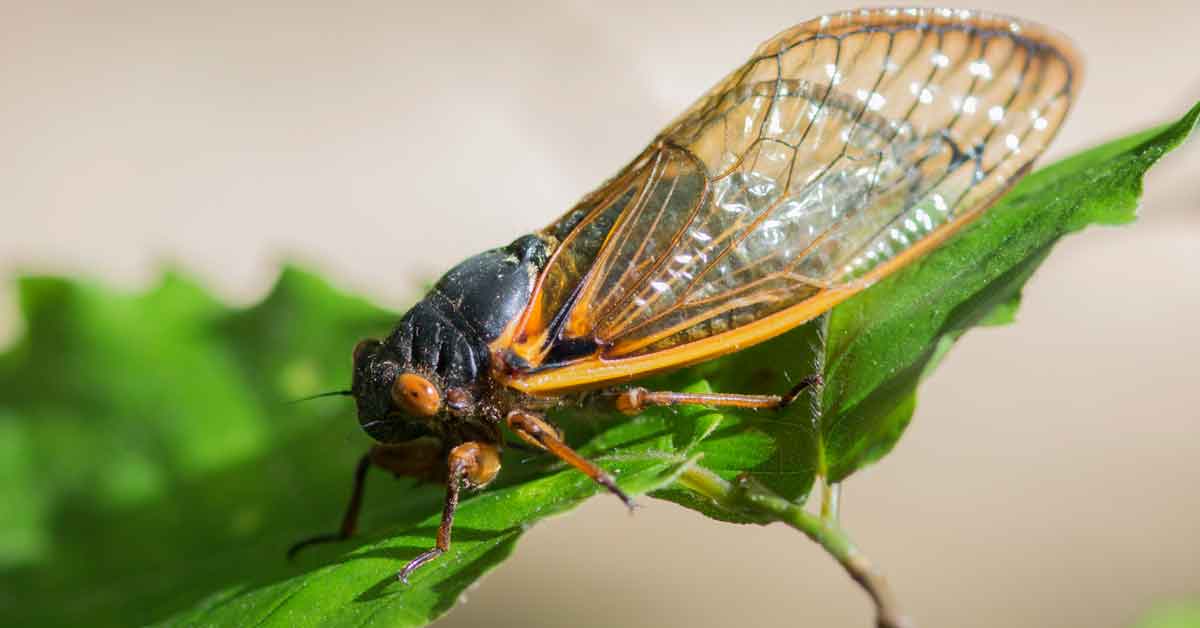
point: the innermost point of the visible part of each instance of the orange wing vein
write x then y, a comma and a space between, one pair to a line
846, 147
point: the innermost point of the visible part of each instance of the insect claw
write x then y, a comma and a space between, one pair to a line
621, 495
606, 480
416, 563
812, 381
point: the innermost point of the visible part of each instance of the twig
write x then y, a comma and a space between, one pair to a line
746, 496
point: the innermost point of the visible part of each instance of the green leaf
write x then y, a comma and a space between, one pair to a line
879, 344
156, 471
148, 446
1174, 615
361, 587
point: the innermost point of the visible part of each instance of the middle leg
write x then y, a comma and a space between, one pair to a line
536, 431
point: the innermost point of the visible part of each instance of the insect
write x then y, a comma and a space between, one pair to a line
845, 148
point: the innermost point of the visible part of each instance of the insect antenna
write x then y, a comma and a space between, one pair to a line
332, 393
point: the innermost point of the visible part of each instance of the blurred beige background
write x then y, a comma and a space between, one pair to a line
1049, 479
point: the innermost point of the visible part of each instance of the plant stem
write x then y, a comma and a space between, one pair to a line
831, 497
745, 496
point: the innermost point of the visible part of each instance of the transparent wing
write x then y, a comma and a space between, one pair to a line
843, 145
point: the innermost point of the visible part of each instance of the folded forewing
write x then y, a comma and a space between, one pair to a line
843, 145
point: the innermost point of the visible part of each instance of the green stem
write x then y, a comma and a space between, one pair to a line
831, 497
747, 497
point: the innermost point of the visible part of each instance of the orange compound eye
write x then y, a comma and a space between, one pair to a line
416, 395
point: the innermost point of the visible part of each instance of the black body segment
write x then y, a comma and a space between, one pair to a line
488, 291
444, 337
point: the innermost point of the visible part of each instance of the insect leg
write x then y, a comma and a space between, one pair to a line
349, 520
635, 400
536, 431
472, 465
416, 458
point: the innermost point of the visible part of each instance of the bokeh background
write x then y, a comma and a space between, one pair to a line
1050, 476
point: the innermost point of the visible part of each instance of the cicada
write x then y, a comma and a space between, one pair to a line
847, 147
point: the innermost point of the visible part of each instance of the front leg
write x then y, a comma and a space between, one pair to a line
536, 431
471, 465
